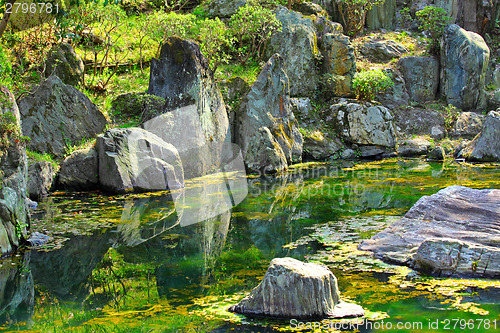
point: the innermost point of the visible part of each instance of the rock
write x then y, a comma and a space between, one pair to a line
438, 132
464, 62
319, 147
396, 95
267, 104
281, 293
421, 76
297, 44
14, 217
132, 159
371, 151
301, 106
141, 106
79, 170
40, 179
308, 8
63, 62
381, 50
495, 76
224, 8
347, 154
414, 147
364, 124
462, 221
56, 115
437, 154
196, 121
324, 26
37, 239
382, 16
468, 125
485, 147
339, 62
233, 88
419, 121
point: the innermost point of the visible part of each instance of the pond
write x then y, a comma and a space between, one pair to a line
125, 263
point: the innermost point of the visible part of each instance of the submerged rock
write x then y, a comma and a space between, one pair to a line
486, 145
454, 232
293, 289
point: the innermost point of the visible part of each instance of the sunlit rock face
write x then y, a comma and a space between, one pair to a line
454, 232
485, 146
293, 289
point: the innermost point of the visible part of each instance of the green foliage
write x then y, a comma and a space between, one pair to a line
252, 26
368, 83
215, 38
34, 157
5, 69
405, 20
10, 131
451, 116
433, 20
353, 14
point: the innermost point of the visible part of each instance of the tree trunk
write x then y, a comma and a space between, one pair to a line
5, 18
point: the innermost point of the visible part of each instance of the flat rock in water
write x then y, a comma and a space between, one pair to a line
293, 289
455, 232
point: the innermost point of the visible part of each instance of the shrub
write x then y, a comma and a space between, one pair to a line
215, 38
353, 13
252, 26
433, 20
5, 69
368, 83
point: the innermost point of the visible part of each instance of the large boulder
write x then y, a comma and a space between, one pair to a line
195, 121
132, 159
454, 232
297, 44
56, 115
339, 63
421, 76
485, 146
395, 95
224, 8
468, 125
364, 124
464, 62
265, 119
63, 62
414, 147
419, 121
319, 147
40, 179
382, 16
382, 50
79, 170
293, 289
14, 217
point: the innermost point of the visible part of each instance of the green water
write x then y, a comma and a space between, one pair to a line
123, 263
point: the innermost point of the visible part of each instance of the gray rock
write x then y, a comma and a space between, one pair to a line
79, 170
460, 220
132, 159
233, 89
495, 80
281, 293
348, 154
414, 147
267, 104
196, 121
297, 44
396, 95
301, 106
438, 132
56, 115
40, 179
468, 125
225, 8
307, 8
419, 121
141, 106
364, 124
37, 239
14, 217
382, 16
381, 50
421, 76
371, 151
324, 26
486, 145
437, 154
319, 147
63, 62
17, 304
339, 62
464, 62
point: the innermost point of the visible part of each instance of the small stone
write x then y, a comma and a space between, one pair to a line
437, 154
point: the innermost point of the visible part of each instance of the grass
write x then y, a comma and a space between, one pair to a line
34, 157
248, 72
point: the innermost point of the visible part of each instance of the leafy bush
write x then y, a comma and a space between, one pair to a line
252, 26
353, 13
368, 83
5, 69
215, 38
433, 20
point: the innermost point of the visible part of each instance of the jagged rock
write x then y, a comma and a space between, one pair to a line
141, 106
297, 44
195, 121
485, 146
464, 62
363, 124
301, 106
468, 125
267, 105
319, 147
79, 170
382, 16
414, 147
454, 232
40, 179
14, 217
132, 159
339, 62
324, 26
419, 121
63, 62
282, 291
381, 50
396, 95
56, 115
421, 76
437, 154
